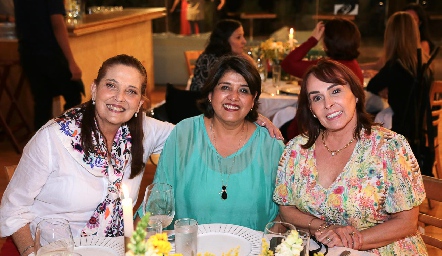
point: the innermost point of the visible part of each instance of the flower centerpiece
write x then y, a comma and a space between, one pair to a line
156, 245
274, 50
290, 246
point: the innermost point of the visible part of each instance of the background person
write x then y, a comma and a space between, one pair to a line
396, 80
46, 57
222, 165
346, 180
226, 38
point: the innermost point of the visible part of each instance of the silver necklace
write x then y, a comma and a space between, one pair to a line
223, 192
335, 152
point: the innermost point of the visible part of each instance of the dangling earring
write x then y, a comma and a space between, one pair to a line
93, 102
136, 114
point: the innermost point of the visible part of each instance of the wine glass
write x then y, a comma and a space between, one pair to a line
53, 237
160, 203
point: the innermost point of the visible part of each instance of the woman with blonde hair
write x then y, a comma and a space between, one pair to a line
396, 79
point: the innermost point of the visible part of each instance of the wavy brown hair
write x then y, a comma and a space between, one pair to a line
333, 72
135, 124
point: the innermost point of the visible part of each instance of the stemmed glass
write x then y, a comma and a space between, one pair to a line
53, 237
159, 201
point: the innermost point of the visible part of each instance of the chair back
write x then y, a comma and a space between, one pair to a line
9, 171
181, 104
433, 188
191, 57
436, 110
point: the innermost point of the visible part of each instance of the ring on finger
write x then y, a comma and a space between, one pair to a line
328, 239
352, 233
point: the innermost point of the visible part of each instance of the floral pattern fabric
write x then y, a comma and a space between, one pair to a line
107, 219
382, 177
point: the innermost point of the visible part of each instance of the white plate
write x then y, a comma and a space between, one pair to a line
99, 246
290, 89
220, 238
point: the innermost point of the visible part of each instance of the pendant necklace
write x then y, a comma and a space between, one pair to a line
223, 192
335, 152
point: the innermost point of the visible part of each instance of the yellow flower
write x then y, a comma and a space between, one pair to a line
159, 244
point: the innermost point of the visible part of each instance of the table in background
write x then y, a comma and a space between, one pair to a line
279, 108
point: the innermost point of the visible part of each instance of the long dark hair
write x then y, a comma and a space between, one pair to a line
330, 71
218, 42
135, 124
237, 64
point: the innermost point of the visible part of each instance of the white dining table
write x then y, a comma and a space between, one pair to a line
279, 108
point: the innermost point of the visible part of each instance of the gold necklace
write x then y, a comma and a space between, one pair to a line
223, 192
335, 152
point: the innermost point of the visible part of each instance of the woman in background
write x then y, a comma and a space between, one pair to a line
395, 81
341, 40
226, 38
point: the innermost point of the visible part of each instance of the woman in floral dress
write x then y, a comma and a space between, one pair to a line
346, 180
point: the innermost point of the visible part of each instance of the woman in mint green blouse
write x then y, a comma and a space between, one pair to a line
222, 165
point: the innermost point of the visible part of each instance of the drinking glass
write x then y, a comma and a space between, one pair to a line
159, 201
186, 232
53, 237
276, 76
276, 231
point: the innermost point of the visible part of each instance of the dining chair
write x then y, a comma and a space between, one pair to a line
433, 188
436, 110
191, 57
9, 171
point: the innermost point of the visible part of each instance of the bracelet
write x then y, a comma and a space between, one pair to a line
323, 227
27, 248
309, 225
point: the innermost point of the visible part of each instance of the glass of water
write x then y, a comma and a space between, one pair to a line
53, 237
276, 76
186, 232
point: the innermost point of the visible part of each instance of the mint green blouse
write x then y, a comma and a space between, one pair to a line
190, 163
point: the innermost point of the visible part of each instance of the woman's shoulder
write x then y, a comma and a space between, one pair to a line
382, 135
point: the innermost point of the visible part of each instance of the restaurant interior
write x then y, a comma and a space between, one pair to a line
148, 31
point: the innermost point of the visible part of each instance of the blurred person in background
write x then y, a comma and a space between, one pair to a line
46, 56
226, 38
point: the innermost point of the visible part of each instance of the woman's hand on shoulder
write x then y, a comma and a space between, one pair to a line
273, 130
318, 32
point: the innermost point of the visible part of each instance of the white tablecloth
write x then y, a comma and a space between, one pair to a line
279, 108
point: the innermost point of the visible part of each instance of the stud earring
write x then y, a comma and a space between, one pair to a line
93, 102
314, 116
251, 109
210, 101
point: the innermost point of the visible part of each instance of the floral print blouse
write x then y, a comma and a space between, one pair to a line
382, 177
